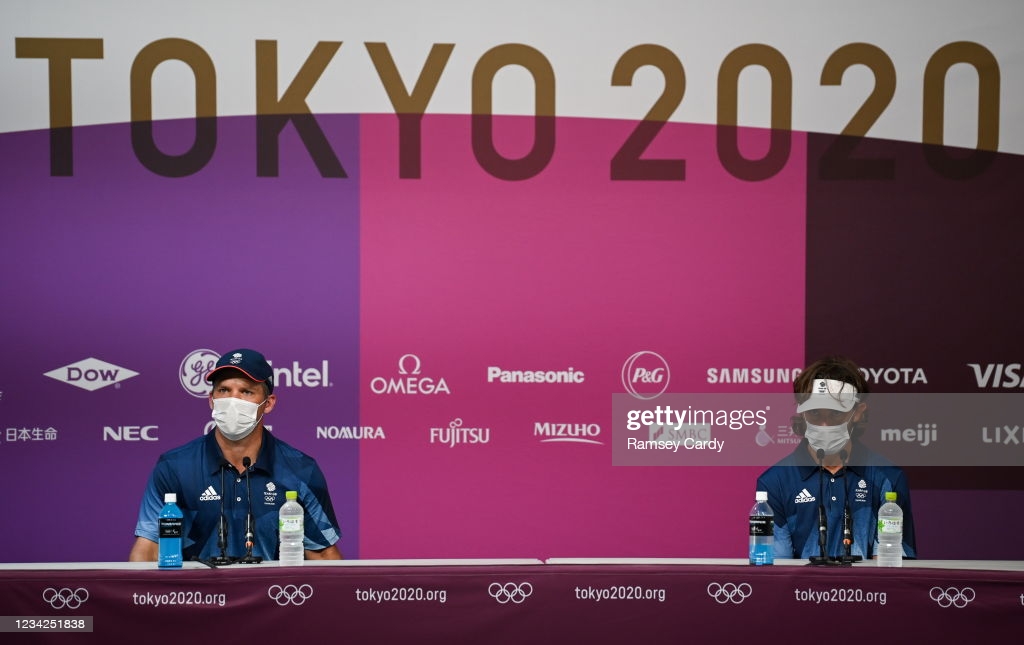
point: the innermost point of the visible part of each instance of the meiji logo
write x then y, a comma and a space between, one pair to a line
645, 375
409, 381
193, 370
803, 497
91, 374
209, 495
924, 434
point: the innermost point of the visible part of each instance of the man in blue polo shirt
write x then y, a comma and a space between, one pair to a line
209, 475
832, 468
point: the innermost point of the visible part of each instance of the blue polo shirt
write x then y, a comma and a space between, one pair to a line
193, 471
796, 483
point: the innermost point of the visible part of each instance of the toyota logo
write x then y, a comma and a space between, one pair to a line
952, 597
729, 592
65, 598
290, 594
510, 592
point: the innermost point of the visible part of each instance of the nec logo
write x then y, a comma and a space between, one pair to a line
91, 374
130, 433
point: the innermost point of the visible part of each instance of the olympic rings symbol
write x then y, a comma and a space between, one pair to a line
290, 594
510, 592
65, 598
729, 592
952, 597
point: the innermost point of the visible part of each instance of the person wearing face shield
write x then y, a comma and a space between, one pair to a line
832, 468
214, 474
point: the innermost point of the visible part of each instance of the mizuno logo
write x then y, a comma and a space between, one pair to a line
803, 497
209, 495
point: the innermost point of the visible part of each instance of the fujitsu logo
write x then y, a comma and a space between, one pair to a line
997, 375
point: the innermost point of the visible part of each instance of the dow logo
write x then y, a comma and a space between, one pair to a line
91, 374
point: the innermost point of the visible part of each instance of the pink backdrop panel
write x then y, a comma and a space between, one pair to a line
565, 271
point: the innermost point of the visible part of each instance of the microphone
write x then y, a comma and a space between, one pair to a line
222, 524
249, 528
847, 558
822, 558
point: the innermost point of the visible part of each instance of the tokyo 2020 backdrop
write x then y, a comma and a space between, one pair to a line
457, 228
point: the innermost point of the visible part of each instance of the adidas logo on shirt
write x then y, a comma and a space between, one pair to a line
209, 495
803, 497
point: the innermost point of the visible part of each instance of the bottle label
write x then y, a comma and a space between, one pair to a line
762, 554
762, 525
890, 525
170, 527
291, 523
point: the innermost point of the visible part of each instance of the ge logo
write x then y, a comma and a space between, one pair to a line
510, 592
952, 597
729, 592
193, 370
65, 598
290, 594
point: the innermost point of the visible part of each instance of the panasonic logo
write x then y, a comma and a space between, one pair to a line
533, 376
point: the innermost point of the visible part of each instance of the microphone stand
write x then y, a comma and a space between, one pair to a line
847, 559
222, 528
249, 558
822, 558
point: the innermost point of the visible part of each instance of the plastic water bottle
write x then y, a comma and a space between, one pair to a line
762, 531
170, 533
292, 531
890, 533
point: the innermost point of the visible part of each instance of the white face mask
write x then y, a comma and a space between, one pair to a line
829, 439
235, 418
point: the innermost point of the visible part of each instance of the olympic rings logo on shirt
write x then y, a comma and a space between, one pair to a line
952, 597
290, 594
729, 592
510, 592
65, 598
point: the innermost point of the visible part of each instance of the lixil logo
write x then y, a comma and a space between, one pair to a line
91, 374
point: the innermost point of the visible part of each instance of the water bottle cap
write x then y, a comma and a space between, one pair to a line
291, 494
761, 496
890, 496
170, 498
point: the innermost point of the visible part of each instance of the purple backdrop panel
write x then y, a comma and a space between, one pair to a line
469, 279
138, 271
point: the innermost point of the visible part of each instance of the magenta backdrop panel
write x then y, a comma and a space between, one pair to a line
466, 277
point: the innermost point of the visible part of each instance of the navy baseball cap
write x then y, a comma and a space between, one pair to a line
248, 362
